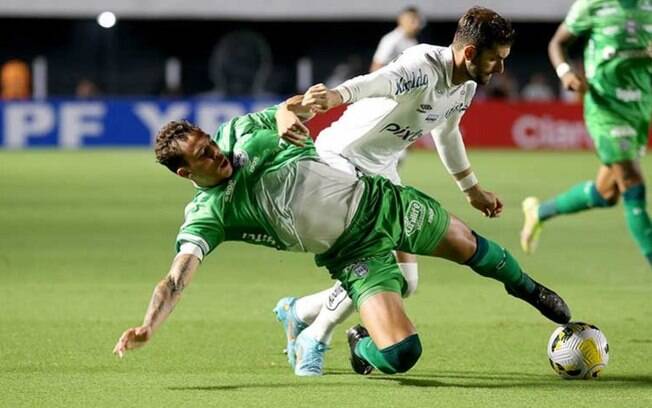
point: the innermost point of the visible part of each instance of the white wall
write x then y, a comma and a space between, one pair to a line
542, 10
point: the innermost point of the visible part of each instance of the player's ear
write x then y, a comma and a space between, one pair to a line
470, 52
183, 172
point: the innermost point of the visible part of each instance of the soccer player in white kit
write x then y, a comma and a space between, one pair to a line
426, 90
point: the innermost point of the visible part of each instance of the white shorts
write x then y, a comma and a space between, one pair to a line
337, 161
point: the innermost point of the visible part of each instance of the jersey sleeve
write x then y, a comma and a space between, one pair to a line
403, 76
578, 20
201, 227
450, 145
385, 50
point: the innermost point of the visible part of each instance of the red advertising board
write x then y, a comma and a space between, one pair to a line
521, 125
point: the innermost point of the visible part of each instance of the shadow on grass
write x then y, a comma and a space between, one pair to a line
455, 379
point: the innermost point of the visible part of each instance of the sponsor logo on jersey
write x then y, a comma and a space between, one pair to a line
404, 133
258, 238
423, 108
629, 95
228, 191
459, 107
622, 131
410, 81
416, 213
432, 117
336, 297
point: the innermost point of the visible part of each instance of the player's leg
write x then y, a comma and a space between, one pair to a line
388, 341
487, 258
632, 186
601, 193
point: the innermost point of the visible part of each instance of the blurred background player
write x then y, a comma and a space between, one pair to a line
617, 108
409, 25
426, 90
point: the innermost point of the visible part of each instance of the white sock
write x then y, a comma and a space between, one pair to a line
334, 311
307, 307
410, 272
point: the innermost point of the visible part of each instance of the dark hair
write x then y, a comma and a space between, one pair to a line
167, 149
483, 28
410, 9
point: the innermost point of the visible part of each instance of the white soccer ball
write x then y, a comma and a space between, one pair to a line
578, 350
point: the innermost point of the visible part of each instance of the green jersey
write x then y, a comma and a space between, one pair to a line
617, 58
229, 211
279, 195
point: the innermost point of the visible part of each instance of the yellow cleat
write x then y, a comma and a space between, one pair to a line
531, 226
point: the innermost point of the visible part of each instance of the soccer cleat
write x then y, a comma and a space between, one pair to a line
531, 226
292, 326
309, 356
354, 335
550, 304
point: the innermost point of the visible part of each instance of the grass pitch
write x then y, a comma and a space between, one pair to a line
84, 237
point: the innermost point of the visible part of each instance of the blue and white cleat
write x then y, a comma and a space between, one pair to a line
292, 326
309, 356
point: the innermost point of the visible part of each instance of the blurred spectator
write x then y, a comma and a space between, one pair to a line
409, 24
502, 87
240, 64
345, 70
15, 80
537, 89
86, 89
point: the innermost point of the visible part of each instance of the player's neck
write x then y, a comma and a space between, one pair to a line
460, 73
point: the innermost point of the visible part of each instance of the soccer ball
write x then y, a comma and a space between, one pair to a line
578, 350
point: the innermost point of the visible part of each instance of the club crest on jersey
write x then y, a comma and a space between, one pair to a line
415, 215
360, 269
410, 81
240, 158
404, 133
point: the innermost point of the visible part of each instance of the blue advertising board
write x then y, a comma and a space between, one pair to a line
108, 122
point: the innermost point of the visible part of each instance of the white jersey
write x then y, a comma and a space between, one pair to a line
392, 45
393, 107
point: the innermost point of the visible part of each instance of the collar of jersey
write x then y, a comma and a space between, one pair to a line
447, 54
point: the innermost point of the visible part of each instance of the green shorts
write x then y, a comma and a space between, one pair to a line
388, 218
617, 136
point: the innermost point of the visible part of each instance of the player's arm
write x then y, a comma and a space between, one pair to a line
290, 116
166, 295
557, 52
389, 81
452, 152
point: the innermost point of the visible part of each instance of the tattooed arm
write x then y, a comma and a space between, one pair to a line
165, 297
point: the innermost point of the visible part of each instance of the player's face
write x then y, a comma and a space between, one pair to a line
487, 62
206, 165
411, 23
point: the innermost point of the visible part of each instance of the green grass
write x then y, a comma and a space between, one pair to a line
84, 236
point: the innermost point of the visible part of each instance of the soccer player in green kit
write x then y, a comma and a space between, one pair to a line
617, 108
254, 188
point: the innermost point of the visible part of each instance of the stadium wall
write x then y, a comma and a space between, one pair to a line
134, 122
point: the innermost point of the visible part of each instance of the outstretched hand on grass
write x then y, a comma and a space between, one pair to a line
131, 339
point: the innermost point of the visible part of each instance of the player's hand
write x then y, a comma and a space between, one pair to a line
320, 99
131, 339
574, 82
485, 201
290, 128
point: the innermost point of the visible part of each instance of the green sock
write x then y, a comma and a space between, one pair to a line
367, 349
580, 197
638, 219
493, 261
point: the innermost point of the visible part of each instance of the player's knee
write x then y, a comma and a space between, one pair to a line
403, 355
410, 272
599, 199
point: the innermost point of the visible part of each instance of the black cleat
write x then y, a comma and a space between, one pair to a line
354, 335
550, 304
